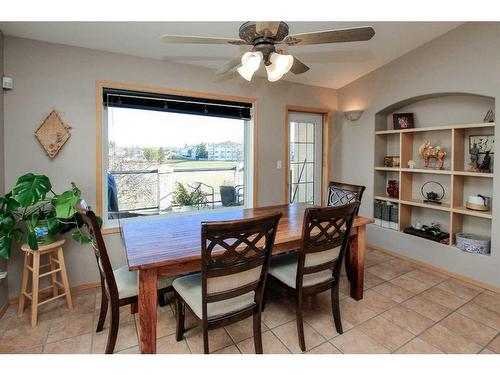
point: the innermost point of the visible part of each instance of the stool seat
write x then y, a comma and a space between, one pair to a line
56, 265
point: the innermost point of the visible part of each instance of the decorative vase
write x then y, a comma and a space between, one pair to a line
393, 189
43, 237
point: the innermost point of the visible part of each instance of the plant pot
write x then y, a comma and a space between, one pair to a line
43, 237
183, 208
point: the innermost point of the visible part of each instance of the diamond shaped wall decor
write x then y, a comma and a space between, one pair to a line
53, 134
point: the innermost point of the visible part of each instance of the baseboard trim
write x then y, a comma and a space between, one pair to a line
73, 289
3, 309
436, 269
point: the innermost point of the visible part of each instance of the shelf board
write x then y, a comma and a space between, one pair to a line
437, 128
420, 203
388, 169
427, 170
472, 174
386, 198
465, 211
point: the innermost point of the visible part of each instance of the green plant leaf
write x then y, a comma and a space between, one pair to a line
65, 202
34, 219
7, 223
5, 246
30, 189
17, 233
53, 225
8, 203
81, 237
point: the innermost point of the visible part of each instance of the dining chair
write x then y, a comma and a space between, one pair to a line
235, 259
316, 266
119, 286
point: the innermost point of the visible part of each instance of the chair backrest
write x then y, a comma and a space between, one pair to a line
91, 225
325, 238
340, 194
235, 257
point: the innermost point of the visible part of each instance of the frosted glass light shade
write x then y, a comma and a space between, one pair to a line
250, 62
280, 65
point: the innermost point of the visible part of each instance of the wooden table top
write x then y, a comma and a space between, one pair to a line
163, 241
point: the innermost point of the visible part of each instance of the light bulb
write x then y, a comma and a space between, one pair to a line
280, 65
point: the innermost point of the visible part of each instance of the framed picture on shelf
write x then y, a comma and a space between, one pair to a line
483, 143
402, 121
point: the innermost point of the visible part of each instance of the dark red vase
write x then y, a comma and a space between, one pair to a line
393, 189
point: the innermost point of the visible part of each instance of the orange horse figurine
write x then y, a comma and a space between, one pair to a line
432, 152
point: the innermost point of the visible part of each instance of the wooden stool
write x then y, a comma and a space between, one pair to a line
55, 253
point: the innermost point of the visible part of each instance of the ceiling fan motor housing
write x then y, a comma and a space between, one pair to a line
263, 41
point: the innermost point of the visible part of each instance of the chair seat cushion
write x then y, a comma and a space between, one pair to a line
284, 268
128, 285
189, 288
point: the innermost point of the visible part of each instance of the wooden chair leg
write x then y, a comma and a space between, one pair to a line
162, 299
64, 278
34, 289
257, 333
53, 277
134, 308
103, 312
300, 321
179, 315
113, 329
336, 307
206, 349
24, 285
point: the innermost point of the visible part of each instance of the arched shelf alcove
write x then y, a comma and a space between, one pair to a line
451, 121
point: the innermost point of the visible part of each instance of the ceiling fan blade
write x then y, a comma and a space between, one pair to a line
200, 40
298, 67
231, 64
267, 28
355, 34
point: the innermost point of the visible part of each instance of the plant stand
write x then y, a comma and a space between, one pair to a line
56, 264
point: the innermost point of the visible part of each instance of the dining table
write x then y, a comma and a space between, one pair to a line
171, 246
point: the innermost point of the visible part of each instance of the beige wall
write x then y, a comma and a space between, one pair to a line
3, 283
50, 76
466, 59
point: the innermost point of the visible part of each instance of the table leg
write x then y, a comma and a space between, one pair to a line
357, 266
147, 310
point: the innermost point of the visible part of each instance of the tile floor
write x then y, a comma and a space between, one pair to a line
406, 309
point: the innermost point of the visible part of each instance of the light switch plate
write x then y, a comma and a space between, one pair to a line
7, 83
278, 164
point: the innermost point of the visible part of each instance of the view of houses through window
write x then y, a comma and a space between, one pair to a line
163, 162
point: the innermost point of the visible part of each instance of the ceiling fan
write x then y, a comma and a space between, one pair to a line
266, 39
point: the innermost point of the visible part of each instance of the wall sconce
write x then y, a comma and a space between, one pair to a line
353, 115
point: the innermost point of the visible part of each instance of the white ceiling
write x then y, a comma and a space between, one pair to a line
332, 65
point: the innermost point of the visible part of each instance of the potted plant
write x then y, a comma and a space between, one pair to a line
185, 200
33, 210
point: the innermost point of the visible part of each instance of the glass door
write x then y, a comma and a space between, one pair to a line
305, 141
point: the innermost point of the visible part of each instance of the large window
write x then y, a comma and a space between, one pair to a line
170, 154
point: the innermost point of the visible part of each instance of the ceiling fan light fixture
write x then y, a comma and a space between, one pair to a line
250, 62
280, 65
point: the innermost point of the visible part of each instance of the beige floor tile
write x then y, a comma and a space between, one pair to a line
400, 265
468, 328
217, 339
127, 337
411, 284
426, 276
168, 345
74, 345
344, 286
393, 291
166, 323
354, 312
132, 350
33, 350
427, 308
408, 319
448, 341
357, 342
372, 280
486, 351
277, 313
377, 302
125, 316
495, 345
325, 348
287, 334
418, 346
386, 333
233, 349
373, 258
83, 302
69, 326
463, 290
384, 271
24, 337
270, 345
482, 315
242, 330
444, 298
322, 321
488, 300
